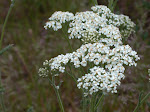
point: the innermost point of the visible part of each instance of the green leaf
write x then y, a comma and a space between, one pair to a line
5, 49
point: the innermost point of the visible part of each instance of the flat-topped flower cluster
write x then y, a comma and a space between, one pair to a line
124, 23
101, 32
110, 61
57, 19
90, 26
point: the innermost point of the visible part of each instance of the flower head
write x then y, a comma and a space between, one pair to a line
93, 26
101, 32
107, 69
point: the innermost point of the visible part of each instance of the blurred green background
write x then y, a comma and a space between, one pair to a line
25, 91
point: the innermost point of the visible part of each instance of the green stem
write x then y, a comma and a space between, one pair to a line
95, 108
140, 103
59, 99
95, 2
57, 94
112, 4
92, 103
74, 78
67, 39
5, 22
84, 103
81, 68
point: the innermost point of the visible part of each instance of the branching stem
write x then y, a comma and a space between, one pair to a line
57, 93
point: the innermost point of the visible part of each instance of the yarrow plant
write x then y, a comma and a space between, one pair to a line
107, 69
101, 33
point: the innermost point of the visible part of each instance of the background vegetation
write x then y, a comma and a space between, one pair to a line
26, 92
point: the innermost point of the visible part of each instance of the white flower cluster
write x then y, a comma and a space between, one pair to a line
86, 25
101, 79
89, 25
57, 19
109, 62
102, 33
124, 23
43, 72
101, 10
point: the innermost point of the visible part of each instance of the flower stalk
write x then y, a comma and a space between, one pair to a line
99, 101
95, 2
56, 88
112, 4
84, 103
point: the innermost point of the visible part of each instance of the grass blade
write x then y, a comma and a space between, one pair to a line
5, 49
141, 101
